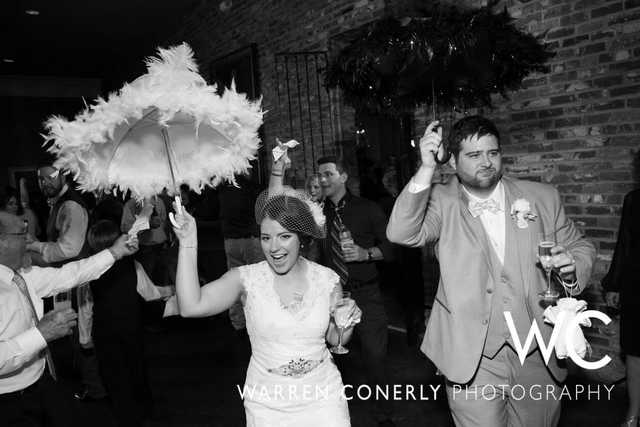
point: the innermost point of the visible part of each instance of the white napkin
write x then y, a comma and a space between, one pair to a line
142, 220
140, 224
147, 289
281, 149
150, 292
570, 307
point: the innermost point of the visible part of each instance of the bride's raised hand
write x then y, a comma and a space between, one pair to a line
283, 162
184, 226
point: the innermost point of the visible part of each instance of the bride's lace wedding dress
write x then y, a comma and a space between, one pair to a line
292, 380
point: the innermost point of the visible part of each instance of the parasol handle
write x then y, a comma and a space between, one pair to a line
172, 218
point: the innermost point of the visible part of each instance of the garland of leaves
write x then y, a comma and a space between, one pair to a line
447, 56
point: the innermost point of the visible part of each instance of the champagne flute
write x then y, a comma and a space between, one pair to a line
340, 313
545, 244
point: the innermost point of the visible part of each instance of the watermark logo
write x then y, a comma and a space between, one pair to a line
571, 326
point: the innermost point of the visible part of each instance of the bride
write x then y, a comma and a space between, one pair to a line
292, 379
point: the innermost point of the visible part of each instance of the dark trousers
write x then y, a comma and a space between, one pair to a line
372, 334
41, 404
124, 374
87, 364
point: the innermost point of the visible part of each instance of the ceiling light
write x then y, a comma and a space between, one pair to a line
32, 12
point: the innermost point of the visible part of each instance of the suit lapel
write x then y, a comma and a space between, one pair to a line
518, 239
475, 230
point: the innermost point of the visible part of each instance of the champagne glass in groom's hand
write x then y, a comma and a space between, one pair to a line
546, 242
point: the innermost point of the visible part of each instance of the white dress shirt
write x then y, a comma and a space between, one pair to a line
72, 221
493, 222
21, 359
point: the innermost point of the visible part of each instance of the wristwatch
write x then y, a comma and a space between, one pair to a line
370, 254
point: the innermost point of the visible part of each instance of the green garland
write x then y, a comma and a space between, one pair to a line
458, 57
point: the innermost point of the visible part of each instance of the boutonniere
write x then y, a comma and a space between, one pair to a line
521, 213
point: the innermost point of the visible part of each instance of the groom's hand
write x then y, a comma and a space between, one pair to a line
430, 147
563, 262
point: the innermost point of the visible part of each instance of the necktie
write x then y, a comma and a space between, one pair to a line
478, 207
22, 285
337, 259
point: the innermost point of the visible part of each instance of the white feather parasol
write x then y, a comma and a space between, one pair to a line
166, 128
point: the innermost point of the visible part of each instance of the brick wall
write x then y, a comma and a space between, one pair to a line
574, 127
216, 28
577, 126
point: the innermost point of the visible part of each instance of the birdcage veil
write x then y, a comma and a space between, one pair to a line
293, 209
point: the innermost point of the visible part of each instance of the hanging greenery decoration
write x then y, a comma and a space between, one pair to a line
447, 56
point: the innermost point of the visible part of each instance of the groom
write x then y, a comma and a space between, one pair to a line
488, 262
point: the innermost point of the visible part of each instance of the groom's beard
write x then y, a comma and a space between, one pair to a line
483, 179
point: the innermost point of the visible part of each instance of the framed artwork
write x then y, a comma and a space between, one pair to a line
241, 66
29, 173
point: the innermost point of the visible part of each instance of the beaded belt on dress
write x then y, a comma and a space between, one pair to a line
296, 368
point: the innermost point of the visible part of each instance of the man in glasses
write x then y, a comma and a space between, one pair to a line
28, 391
66, 232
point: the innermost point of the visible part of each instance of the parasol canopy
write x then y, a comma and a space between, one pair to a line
166, 128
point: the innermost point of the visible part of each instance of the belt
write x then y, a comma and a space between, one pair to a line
18, 393
297, 367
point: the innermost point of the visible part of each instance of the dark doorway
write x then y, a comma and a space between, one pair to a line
385, 156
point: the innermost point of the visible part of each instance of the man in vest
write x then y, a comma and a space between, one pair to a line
66, 231
487, 230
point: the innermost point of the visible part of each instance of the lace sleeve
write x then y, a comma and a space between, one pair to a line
332, 280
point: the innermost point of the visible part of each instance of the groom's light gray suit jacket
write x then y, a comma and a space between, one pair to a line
464, 306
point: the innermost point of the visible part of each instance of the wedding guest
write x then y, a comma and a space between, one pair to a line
66, 232
29, 394
355, 263
153, 240
622, 286
312, 187
11, 202
488, 266
118, 330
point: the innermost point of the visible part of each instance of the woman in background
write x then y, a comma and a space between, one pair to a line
313, 189
622, 286
10, 202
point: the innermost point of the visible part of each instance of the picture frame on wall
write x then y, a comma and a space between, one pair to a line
241, 67
29, 173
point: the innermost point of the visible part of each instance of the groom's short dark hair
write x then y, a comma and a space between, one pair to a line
469, 126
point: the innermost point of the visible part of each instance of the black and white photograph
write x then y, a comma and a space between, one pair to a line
320, 213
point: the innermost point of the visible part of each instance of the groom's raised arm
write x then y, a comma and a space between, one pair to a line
416, 217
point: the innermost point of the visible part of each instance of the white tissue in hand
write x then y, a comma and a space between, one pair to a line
140, 224
280, 149
570, 307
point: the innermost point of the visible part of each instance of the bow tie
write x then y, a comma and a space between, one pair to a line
478, 207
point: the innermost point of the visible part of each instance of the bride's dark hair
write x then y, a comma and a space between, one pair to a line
293, 211
292, 214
